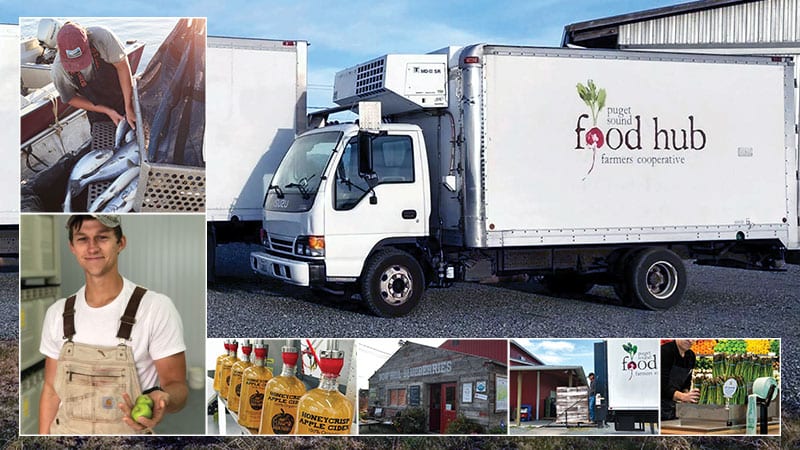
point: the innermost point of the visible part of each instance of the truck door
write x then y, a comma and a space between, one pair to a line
357, 218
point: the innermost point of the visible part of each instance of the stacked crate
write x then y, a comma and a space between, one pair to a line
572, 405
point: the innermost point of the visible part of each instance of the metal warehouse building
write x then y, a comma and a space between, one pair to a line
736, 27
461, 377
533, 385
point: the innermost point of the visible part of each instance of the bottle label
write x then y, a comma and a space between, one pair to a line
283, 399
284, 410
250, 417
318, 424
282, 423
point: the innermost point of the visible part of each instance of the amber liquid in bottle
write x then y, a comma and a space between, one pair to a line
254, 380
227, 364
325, 410
282, 394
218, 367
235, 391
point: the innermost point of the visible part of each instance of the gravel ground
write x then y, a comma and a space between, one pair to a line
9, 305
718, 303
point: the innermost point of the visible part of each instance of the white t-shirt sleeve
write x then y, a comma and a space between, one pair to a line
165, 328
53, 330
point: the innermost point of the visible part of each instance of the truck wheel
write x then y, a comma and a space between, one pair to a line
392, 283
656, 278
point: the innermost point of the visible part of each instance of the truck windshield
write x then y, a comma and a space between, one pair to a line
294, 185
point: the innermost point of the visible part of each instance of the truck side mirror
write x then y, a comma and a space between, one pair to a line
365, 154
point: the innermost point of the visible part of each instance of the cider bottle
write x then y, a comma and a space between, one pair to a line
254, 380
218, 368
236, 377
282, 395
325, 410
225, 377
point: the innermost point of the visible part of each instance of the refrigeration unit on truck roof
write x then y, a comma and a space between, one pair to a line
400, 82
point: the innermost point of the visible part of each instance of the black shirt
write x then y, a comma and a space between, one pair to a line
671, 358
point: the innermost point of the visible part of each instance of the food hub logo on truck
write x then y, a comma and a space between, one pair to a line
623, 139
638, 364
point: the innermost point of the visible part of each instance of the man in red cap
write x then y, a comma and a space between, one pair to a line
91, 72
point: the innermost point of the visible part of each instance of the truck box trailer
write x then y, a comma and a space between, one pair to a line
628, 382
9, 113
257, 104
579, 166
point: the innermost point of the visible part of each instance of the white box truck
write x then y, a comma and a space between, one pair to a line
627, 382
581, 166
9, 113
260, 85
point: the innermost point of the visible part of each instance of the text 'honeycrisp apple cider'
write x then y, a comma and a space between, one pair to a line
227, 364
254, 380
218, 367
237, 369
282, 395
325, 410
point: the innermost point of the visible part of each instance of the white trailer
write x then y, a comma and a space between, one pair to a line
256, 101
9, 114
627, 382
580, 166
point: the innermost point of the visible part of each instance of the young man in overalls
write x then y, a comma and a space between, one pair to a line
108, 343
91, 72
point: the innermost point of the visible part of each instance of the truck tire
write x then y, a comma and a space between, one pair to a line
656, 278
392, 283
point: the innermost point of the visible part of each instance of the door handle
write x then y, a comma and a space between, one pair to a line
409, 214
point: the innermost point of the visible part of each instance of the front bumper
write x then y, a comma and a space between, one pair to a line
292, 271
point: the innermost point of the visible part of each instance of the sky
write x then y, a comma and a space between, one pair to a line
343, 34
373, 353
562, 352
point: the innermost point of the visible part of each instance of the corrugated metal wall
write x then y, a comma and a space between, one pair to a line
764, 22
165, 253
493, 349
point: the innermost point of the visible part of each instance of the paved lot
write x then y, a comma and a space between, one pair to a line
9, 305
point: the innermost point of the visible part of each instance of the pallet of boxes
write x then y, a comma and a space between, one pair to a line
572, 405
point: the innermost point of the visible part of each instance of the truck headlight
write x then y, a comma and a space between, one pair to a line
264, 238
310, 246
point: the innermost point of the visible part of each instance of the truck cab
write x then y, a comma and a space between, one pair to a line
334, 212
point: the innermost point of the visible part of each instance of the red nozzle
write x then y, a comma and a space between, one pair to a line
289, 358
331, 365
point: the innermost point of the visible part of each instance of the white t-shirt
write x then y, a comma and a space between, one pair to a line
108, 46
157, 333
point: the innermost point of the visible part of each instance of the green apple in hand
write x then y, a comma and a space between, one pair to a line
142, 408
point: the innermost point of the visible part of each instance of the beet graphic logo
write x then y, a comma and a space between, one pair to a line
595, 99
630, 364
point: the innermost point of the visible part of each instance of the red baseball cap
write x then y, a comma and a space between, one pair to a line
73, 47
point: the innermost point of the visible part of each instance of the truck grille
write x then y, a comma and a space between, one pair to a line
281, 245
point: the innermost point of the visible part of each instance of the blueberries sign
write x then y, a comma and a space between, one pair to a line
623, 137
